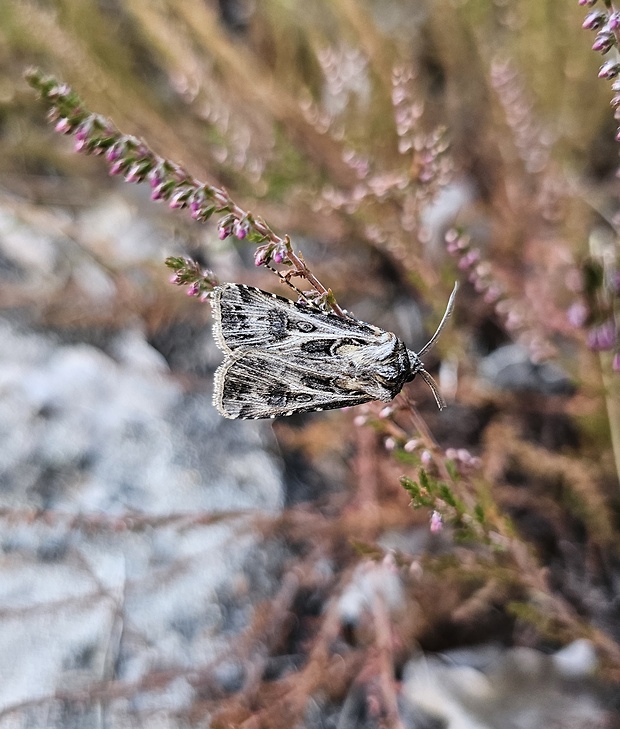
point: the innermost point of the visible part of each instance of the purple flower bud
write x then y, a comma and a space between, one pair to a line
241, 229
179, 199
81, 145
176, 279
594, 20
113, 153
603, 42
587, 3
193, 289
436, 524
610, 69
603, 337
614, 282
492, 295
613, 22
117, 167
82, 132
63, 126
158, 192
262, 255
615, 362
223, 231
577, 314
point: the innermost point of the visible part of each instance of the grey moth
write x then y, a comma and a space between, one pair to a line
283, 358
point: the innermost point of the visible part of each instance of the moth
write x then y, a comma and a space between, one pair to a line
282, 357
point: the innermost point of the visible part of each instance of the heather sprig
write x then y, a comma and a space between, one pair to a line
606, 22
446, 508
601, 273
201, 281
131, 157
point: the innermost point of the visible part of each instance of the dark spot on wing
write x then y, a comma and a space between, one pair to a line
316, 382
318, 346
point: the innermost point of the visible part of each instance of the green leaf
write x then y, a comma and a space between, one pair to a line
446, 494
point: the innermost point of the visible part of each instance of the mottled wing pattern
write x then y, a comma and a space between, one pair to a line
283, 358
262, 384
248, 317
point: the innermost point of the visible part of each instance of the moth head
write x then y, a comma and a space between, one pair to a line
417, 366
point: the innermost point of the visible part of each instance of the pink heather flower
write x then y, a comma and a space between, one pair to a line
613, 22
492, 295
615, 362
594, 20
223, 231
603, 337
587, 3
464, 455
609, 70
426, 458
158, 192
113, 153
176, 279
577, 314
262, 255
80, 145
436, 524
134, 174
411, 445
359, 420
193, 289
386, 412
241, 228
389, 444
178, 199
117, 167
603, 42
63, 126
82, 132
278, 256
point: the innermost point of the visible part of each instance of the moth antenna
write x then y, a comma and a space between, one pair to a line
441, 403
442, 323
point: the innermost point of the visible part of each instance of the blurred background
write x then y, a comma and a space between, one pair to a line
379, 566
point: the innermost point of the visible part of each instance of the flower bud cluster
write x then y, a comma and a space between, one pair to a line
468, 258
276, 252
463, 458
606, 22
200, 281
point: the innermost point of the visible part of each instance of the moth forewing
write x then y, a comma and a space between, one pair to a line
283, 358
261, 384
